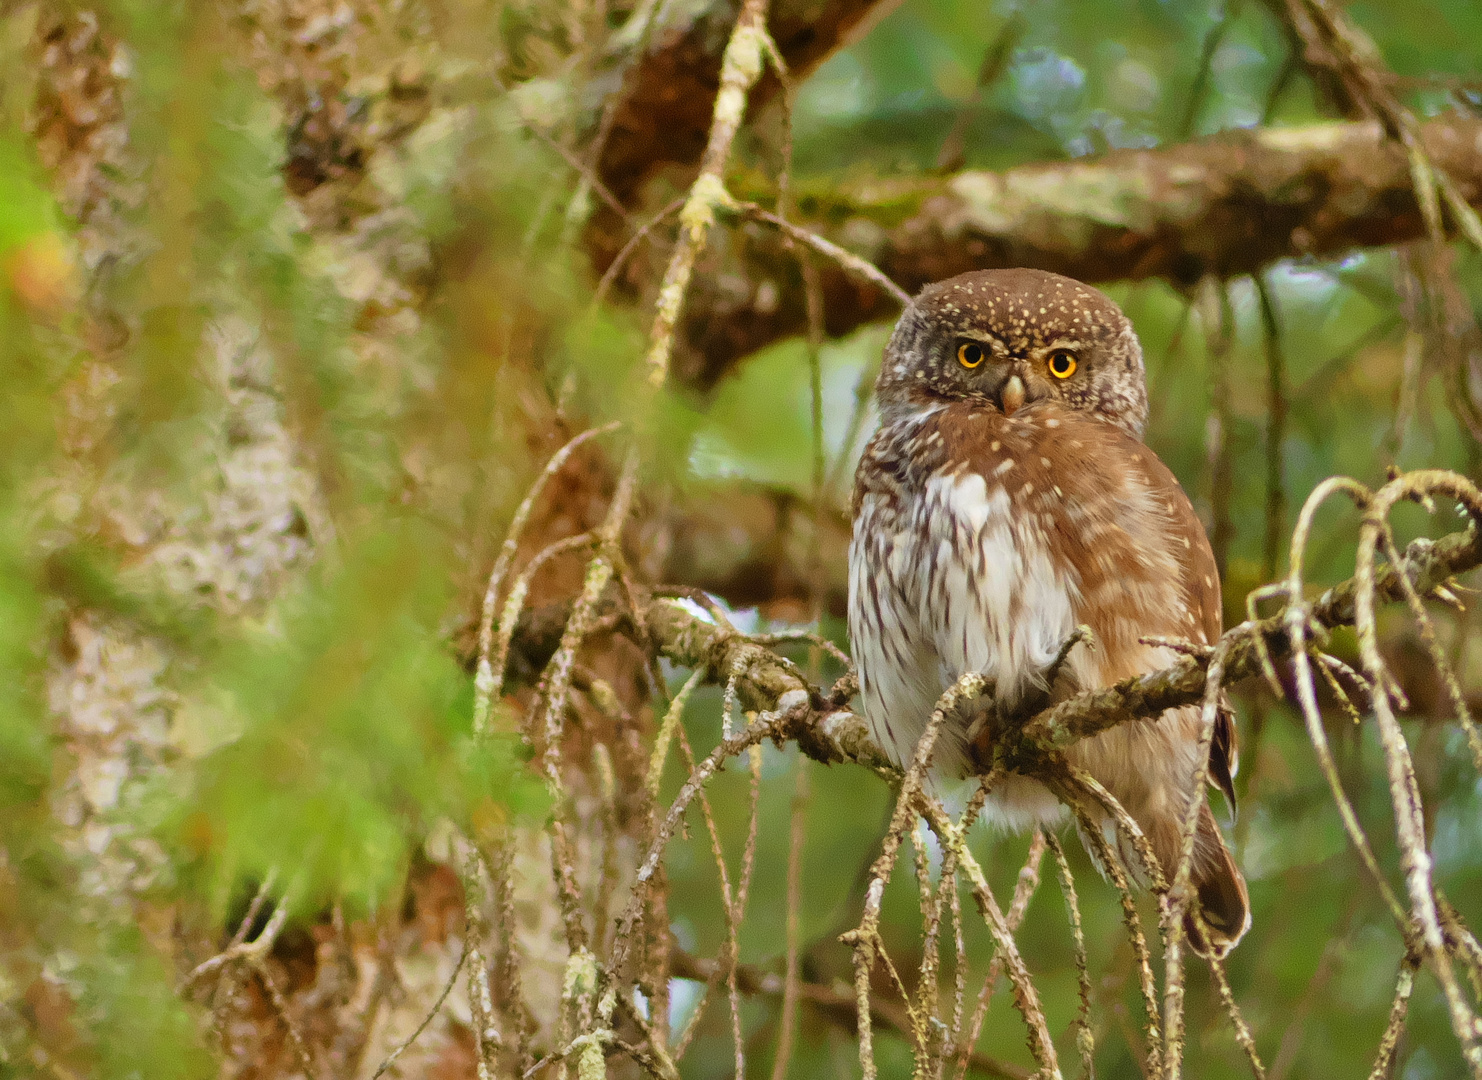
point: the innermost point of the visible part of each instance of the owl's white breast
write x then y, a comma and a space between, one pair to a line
944, 579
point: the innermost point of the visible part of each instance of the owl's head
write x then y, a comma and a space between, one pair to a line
1014, 337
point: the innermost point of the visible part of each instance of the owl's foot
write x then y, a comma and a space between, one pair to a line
1042, 694
1079, 634
976, 718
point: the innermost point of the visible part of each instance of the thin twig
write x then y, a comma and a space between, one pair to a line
557, 680
741, 65
666, 731
1084, 1041
484, 675
1394, 1027
797, 834
1024, 887
1276, 411
280, 1006
1219, 319
239, 948
1026, 998
1232, 1009
762, 728
1296, 623
514, 604
865, 939
480, 1000
1180, 895
437, 1006
1213, 38
1409, 825
852, 263
1111, 863
953, 153
599, 294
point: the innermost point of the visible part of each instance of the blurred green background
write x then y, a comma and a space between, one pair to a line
297, 302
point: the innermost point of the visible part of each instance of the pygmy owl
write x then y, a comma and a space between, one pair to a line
1008, 498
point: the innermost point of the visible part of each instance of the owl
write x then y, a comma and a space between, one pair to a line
1007, 498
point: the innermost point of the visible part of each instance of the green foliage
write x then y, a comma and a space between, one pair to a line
343, 733
322, 734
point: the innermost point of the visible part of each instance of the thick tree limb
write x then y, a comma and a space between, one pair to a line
1228, 205
750, 545
664, 113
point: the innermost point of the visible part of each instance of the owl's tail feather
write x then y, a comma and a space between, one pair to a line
1220, 888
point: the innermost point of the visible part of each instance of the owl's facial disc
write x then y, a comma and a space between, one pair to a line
1014, 338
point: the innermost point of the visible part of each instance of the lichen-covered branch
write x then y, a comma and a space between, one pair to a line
1427, 563
741, 66
830, 733
1225, 205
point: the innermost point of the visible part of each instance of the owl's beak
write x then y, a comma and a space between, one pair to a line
1012, 395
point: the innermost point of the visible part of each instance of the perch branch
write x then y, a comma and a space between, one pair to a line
828, 732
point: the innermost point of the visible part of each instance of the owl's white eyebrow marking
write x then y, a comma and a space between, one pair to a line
1004, 466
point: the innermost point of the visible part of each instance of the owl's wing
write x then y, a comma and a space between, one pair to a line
1200, 583
1224, 753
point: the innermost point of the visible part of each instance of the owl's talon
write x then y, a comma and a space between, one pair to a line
1081, 633
1039, 697
982, 715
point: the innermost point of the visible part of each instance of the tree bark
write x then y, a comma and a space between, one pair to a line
663, 112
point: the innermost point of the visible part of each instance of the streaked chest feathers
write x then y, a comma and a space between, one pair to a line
980, 543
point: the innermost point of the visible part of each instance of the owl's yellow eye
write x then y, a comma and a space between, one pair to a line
970, 354
1062, 363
